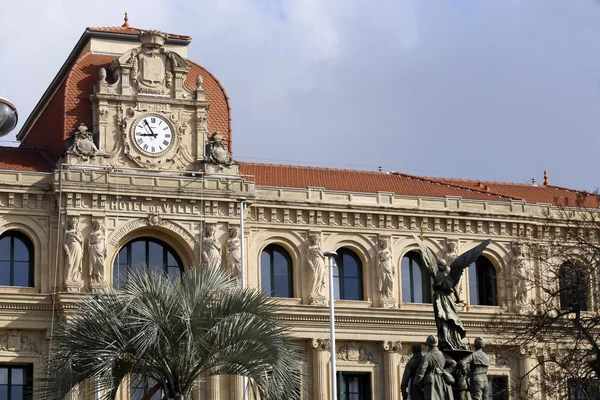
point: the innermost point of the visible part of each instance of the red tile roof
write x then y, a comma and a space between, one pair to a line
409, 185
532, 194
18, 159
128, 30
70, 104
357, 181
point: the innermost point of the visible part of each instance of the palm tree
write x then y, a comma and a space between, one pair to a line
176, 332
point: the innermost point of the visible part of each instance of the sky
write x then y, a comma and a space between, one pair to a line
493, 90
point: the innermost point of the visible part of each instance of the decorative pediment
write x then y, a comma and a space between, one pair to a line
151, 68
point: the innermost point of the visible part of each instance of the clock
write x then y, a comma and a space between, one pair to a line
153, 135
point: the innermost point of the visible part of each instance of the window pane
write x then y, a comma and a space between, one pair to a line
3, 392
425, 283
5, 248
21, 274
351, 289
4, 273
281, 276
155, 256
17, 376
406, 280
473, 290
17, 392
3, 376
350, 266
171, 261
265, 273
21, 253
138, 254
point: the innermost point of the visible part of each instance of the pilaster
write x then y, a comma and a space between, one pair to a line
391, 356
321, 359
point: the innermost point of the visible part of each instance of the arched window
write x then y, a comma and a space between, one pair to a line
276, 272
483, 284
573, 291
16, 259
347, 277
145, 252
416, 279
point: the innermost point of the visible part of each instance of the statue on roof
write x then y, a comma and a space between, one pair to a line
219, 151
449, 326
83, 143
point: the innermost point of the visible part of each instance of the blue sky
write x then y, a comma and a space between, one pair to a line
495, 90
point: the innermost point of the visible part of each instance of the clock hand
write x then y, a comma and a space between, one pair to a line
151, 131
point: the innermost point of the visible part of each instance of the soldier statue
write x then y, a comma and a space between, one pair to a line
410, 372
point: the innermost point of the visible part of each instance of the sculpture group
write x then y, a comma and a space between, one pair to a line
449, 370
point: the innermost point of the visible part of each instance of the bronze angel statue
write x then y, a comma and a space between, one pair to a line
450, 329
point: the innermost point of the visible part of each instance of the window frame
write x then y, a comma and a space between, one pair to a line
269, 250
364, 383
340, 274
27, 378
147, 240
569, 291
12, 235
414, 257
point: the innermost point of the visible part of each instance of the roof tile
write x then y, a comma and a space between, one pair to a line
19, 159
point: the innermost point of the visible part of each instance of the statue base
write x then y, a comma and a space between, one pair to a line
317, 300
388, 302
72, 286
97, 287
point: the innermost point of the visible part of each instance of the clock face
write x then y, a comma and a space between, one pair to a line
153, 135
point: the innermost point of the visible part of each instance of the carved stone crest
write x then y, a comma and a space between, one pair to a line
154, 219
352, 351
83, 143
15, 341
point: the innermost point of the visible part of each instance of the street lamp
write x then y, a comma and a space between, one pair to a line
331, 261
8, 117
242, 201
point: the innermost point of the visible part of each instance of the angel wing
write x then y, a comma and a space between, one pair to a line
427, 255
465, 259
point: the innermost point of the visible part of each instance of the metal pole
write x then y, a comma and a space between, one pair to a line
330, 257
242, 201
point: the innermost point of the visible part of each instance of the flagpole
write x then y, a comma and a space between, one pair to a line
331, 261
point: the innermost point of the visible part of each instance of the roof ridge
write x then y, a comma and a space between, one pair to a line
316, 167
439, 182
482, 181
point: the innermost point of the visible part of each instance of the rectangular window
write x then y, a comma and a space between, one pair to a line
140, 386
16, 382
354, 386
583, 389
497, 388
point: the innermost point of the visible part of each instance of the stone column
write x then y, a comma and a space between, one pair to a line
213, 388
530, 386
236, 384
321, 358
392, 360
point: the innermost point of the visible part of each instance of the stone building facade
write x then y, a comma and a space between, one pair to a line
127, 159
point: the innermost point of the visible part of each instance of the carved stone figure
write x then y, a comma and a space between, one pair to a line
97, 251
408, 386
102, 75
219, 152
83, 143
211, 248
450, 329
316, 262
431, 375
479, 362
387, 272
234, 252
73, 245
520, 275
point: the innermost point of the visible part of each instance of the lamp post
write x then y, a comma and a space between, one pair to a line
242, 201
8, 117
331, 261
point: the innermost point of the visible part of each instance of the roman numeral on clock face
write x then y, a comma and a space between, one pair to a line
140, 141
146, 146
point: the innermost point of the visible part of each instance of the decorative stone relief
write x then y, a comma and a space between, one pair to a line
219, 152
83, 144
15, 341
352, 351
234, 252
163, 223
211, 248
521, 278
318, 269
97, 255
387, 273
73, 245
